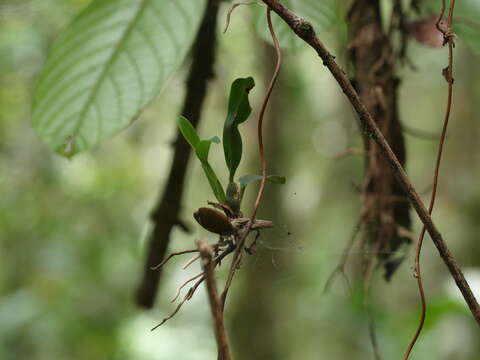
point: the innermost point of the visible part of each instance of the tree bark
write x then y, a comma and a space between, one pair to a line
385, 208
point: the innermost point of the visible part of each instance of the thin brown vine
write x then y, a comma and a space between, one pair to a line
238, 252
448, 72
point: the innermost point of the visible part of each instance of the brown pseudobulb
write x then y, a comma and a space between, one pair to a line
214, 221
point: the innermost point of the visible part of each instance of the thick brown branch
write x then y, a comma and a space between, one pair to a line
208, 266
306, 32
373, 54
167, 212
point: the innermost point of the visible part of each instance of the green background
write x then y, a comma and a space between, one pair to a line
72, 231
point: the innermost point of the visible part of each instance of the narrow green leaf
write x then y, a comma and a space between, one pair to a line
275, 179
188, 132
247, 179
238, 111
202, 149
109, 63
214, 182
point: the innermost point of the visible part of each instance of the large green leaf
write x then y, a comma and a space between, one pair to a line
202, 148
320, 13
110, 62
238, 111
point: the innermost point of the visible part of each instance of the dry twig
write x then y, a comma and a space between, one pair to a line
206, 253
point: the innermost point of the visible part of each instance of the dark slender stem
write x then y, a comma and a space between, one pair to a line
449, 78
306, 32
206, 253
167, 211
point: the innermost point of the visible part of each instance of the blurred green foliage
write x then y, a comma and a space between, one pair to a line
71, 231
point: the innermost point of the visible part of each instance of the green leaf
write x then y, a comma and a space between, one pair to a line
275, 179
320, 13
202, 149
109, 63
188, 132
238, 111
214, 182
247, 179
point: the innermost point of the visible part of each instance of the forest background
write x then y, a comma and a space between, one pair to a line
72, 232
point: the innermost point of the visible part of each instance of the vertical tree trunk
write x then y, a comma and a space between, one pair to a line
385, 209
166, 213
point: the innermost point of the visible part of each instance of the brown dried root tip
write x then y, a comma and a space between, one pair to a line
172, 255
190, 262
169, 316
177, 294
185, 299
